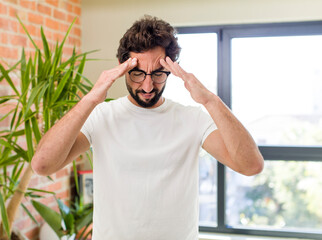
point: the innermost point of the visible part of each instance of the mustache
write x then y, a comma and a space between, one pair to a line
142, 91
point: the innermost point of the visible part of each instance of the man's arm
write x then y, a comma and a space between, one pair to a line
231, 143
64, 141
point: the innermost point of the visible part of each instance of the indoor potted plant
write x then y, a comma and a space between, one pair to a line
70, 223
49, 87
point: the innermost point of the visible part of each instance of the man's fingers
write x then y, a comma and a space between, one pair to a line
126, 66
174, 67
168, 65
180, 70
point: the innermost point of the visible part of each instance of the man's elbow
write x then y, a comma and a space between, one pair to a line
38, 167
256, 167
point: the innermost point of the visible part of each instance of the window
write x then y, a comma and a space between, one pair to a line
270, 75
190, 59
279, 79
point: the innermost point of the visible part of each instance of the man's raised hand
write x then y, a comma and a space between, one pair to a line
107, 78
198, 92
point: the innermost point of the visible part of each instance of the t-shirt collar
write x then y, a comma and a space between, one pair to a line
128, 104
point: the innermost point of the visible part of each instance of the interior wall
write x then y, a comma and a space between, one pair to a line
105, 21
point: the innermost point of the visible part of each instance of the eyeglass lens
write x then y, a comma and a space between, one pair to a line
157, 76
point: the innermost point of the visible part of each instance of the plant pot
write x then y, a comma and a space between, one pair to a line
87, 230
15, 235
46, 233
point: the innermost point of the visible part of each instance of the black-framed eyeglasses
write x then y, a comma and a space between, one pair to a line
158, 76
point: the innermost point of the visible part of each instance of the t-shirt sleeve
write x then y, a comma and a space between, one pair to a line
87, 128
207, 125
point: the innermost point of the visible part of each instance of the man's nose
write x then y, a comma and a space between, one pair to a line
147, 84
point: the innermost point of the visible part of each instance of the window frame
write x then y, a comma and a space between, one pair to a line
225, 34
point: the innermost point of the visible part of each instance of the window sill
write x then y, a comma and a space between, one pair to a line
219, 236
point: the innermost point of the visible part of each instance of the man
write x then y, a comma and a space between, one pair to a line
145, 146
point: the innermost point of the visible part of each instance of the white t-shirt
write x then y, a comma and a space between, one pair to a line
146, 170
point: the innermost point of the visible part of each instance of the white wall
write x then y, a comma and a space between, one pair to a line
105, 21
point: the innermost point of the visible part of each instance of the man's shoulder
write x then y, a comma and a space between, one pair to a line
181, 107
110, 103
107, 107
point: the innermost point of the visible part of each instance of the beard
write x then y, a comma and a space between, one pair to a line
147, 103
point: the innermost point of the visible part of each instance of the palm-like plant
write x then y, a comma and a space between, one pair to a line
71, 222
49, 87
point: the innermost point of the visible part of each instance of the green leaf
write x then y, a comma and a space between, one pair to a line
6, 151
75, 176
46, 116
9, 160
61, 85
90, 84
29, 214
45, 43
13, 120
29, 140
52, 217
33, 70
33, 95
63, 208
67, 33
35, 129
50, 178
7, 77
25, 29
84, 220
14, 170
29, 115
3, 100
17, 121
89, 52
89, 157
40, 66
4, 216
15, 177
6, 144
42, 93
13, 133
70, 223
64, 103
40, 190
33, 195
56, 60
19, 150
5, 116
79, 72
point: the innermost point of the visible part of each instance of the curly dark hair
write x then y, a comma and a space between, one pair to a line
146, 34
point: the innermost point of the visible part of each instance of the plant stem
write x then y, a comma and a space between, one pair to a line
16, 199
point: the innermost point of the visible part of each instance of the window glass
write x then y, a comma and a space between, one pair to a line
207, 190
285, 196
199, 56
276, 88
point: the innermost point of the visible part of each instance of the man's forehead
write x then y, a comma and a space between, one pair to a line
154, 70
149, 60
154, 52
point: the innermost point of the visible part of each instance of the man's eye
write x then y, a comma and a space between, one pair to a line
158, 74
137, 74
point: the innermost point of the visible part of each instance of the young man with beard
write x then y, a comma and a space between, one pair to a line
145, 146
